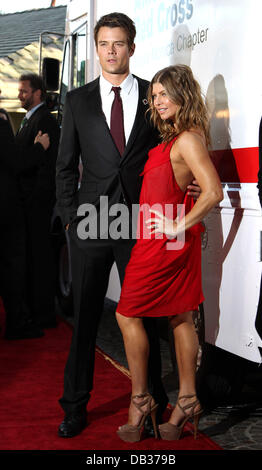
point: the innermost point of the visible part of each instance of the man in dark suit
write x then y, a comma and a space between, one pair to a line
13, 161
37, 188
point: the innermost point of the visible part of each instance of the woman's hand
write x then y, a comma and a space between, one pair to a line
42, 139
194, 189
161, 224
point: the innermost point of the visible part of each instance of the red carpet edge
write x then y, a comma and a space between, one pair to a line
31, 382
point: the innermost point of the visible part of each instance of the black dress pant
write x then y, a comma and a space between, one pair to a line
40, 263
12, 271
91, 262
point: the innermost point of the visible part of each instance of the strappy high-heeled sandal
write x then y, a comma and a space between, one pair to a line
130, 433
172, 432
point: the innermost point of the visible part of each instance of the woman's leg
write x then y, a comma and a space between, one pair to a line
186, 346
137, 352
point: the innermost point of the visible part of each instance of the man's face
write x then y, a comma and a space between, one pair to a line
113, 51
27, 96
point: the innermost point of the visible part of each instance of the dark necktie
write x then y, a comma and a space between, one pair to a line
117, 121
23, 122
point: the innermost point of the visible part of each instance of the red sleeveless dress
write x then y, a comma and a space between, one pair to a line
163, 276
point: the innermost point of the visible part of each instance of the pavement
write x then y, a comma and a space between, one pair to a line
233, 409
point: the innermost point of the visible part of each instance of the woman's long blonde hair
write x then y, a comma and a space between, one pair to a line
181, 88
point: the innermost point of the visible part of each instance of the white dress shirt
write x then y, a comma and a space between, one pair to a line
129, 95
31, 111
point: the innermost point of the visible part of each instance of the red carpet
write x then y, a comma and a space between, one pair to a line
31, 382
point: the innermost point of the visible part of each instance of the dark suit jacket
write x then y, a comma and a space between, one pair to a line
13, 160
105, 172
37, 185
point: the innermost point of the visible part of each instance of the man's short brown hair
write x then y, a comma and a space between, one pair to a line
36, 82
117, 20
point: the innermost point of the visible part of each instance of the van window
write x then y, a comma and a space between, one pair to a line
80, 57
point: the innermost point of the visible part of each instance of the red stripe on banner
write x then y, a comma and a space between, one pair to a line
237, 165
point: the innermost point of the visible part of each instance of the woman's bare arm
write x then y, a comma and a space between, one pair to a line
192, 151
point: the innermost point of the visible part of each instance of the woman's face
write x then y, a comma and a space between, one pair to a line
165, 107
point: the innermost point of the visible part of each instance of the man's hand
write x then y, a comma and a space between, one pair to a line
42, 139
194, 190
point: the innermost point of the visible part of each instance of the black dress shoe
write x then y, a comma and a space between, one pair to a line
28, 331
72, 425
148, 425
47, 323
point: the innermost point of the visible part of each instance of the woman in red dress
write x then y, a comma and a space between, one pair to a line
163, 276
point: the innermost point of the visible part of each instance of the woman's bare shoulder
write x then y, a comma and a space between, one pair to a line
191, 137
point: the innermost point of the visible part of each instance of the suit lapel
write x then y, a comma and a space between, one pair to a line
95, 104
139, 119
30, 121
95, 109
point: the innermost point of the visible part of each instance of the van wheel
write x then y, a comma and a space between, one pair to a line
220, 374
